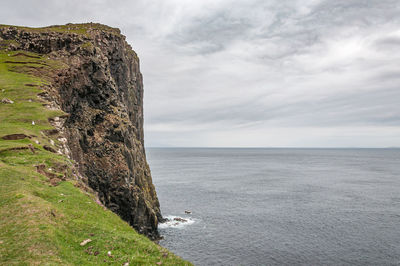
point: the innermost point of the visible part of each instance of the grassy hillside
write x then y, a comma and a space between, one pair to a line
45, 216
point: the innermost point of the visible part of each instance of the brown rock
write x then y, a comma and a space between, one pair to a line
84, 242
178, 219
7, 101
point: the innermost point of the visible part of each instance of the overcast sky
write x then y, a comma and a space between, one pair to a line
253, 73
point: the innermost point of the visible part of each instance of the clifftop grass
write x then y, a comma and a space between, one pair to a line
80, 29
42, 223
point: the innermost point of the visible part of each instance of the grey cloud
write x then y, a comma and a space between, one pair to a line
210, 33
362, 108
219, 71
390, 43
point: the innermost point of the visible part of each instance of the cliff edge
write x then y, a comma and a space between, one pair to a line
93, 76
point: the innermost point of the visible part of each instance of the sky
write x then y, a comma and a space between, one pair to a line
254, 73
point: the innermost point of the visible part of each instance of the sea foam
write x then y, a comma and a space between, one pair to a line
171, 223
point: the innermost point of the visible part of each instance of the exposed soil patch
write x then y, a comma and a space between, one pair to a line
25, 62
55, 181
32, 67
29, 147
15, 137
50, 132
60, 167
14, 149
53, 178
48, 148
26, 55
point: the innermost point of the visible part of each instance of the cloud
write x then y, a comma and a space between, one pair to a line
254, 73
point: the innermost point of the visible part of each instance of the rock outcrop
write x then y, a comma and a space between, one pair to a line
99, 85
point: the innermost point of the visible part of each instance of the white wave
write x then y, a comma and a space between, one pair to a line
172, 223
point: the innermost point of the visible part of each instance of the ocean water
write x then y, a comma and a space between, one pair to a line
280, 206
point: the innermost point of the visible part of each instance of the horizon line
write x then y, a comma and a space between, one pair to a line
240, 147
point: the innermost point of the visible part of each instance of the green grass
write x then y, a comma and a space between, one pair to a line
80, 29
18, 85
44, 224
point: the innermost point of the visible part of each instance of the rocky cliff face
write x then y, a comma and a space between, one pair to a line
100, 87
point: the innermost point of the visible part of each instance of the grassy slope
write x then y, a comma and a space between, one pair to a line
43, 224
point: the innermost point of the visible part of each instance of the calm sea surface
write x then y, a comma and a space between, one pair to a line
280, 206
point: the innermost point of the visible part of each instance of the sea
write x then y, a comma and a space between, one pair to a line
267, 206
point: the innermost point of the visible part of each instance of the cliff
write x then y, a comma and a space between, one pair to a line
92, 75
71, 150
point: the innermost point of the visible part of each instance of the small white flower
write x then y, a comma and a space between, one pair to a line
33, 123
